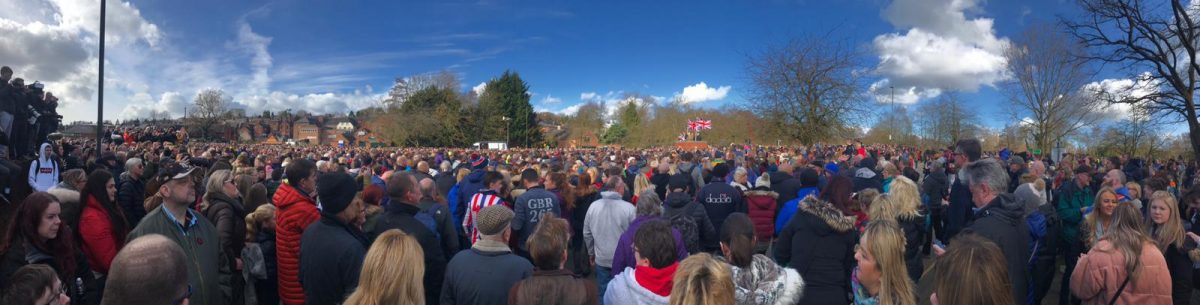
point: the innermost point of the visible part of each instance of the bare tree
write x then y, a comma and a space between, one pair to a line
945, 120
1046, 85
1146, 36
405, 87
210, 105
808, 88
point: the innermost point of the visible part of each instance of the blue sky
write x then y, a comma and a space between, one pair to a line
332, 56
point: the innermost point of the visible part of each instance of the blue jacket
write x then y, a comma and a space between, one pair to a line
466, 188
528, 210
789, 209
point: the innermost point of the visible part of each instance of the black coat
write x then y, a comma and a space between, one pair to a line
681, 203
959, 212
913, 225
399, 215
719, 200
1180, 266
786, 186
660, 181
19, 254
935, 187
131, 195
1003, 222
445, 181
825, 268
331, 256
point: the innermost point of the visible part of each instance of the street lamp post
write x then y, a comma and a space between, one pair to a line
100, 89
506, 130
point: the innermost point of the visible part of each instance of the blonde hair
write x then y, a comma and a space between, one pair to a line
392, 272
462, 174
1172, 231
1090, 221
865, 198
256, 219
884, 241
900, 200
1127, 237
640, 184
1134, 187
702, 280
1038, 183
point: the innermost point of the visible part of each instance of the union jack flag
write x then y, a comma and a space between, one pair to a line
703, 124
683, 137
693, 125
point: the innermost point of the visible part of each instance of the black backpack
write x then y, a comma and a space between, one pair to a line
688, 228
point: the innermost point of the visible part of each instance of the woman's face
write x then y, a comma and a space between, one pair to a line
230, 189
50, 221
868, 271
743, 179
111, 186
549, 183
1159, 212
270, 224
1107, 204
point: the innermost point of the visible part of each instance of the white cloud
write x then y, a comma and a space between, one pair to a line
702, 93
55, 41
478, 89
883, 93
570, 110
551, 100
1121, 88
941, 48
588, 96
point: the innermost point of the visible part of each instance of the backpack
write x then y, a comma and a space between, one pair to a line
37, 163
688, 229
1043, 241
429, 220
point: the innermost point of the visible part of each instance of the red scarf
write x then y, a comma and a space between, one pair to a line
658, 281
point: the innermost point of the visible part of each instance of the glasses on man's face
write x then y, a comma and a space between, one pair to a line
62, 290
186, 296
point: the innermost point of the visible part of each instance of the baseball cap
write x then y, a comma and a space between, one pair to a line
174, 171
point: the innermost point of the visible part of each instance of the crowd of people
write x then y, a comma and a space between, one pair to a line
150, 222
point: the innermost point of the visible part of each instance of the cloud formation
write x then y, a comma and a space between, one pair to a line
702, 93
940, 49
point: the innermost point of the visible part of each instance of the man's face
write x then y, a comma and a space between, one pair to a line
309, 185
180, 191
1083, 179
138, 170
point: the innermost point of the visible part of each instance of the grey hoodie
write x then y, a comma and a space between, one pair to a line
624, 289
606, 219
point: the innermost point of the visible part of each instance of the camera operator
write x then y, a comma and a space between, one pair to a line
34, 101
6, 106
49, 119
19, 138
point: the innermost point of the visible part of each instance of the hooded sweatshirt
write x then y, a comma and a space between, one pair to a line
626, 289
43, 172
1003, 222
679, 203
606, 219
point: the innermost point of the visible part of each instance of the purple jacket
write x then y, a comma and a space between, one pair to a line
623, 257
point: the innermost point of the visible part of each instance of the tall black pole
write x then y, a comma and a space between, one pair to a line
100, 95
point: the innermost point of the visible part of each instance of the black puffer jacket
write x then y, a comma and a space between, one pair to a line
682, 203
913, 225
1003, 222
399, 215
787, 186
130, 197
819, 243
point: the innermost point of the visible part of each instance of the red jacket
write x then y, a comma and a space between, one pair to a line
296, 212
100, 241
762, 212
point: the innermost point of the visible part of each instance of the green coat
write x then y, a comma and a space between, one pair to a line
201, 246
1071, 198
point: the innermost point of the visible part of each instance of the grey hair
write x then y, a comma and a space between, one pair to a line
649, 204
613, 182
986, 171
740, 172
445, 166
1121, 176
131, 163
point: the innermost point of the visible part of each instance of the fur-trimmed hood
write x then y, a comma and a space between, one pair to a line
765, 282
830, 215
762, 193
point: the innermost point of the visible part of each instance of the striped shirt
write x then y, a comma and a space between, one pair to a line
479, 201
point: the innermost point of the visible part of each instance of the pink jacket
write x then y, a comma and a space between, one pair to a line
1100, 273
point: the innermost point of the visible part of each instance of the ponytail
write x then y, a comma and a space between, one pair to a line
737, 233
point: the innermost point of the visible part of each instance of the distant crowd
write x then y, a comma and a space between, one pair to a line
153, 219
